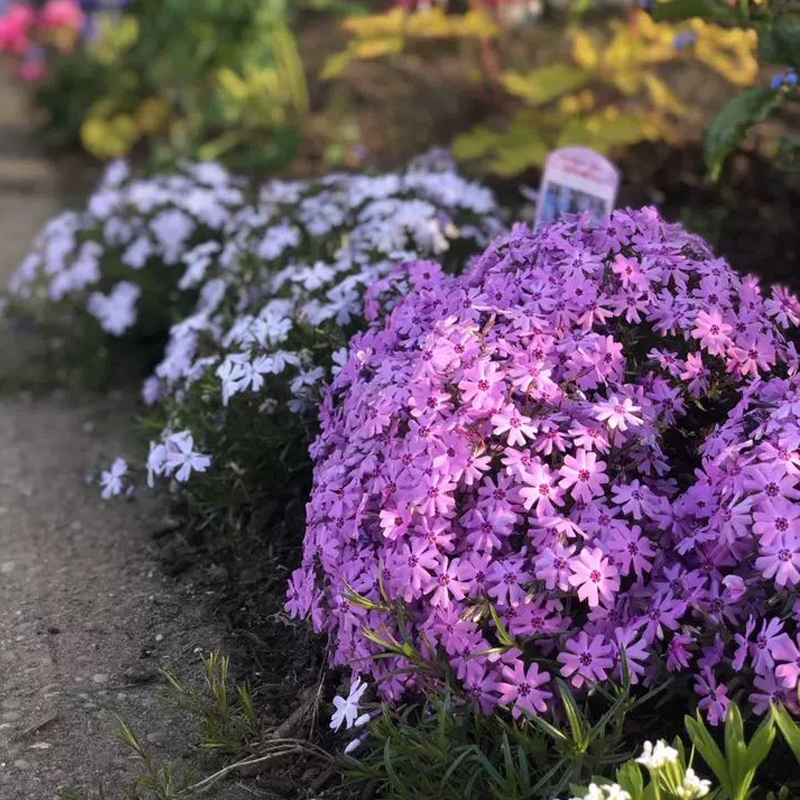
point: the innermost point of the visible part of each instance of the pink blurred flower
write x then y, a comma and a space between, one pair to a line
62, 14
15, 27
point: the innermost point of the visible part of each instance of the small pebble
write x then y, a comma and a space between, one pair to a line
99, 678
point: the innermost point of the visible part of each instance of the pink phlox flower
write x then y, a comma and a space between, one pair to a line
521, 687
474, 571
787, 654
633, 498
517, 462
550, 438
632, 551
679, 655
712, 331
628, 271
428, 403
780, 560
412, 566
589, 437
783, 306
757, 353
486, 532
772, 692
594, 576
668, 361
395, 522
446, 585
617, 414
664, 613
696, 374
542, 492
634, 650
583, 475
516, 426
553, 566
436, 495
482, 386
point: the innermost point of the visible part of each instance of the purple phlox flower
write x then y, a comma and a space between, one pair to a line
112, 479
521, 687
586, 660
181, 456
594, 576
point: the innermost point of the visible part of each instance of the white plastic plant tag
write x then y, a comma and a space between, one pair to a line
576, 179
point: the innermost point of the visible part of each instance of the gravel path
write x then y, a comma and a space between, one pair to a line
86, 615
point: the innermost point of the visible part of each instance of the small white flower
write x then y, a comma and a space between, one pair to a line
181, 456
111, 480
347, 708
156, 463
693, 787
655, 756
608, 791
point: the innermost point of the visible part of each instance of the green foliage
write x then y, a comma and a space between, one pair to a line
778, 27
779, 43
444, 749
674, 10
735, 767
229, 722
157, 781
738, 115
206, 79
608, 93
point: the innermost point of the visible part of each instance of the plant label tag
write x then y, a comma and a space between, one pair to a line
576, 180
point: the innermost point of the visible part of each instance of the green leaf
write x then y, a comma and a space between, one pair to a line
735, 750
686, 9
710, 752
780, 44
630, 778
789, 729
515, 150
759, 748
580, 732
732, 123
545, 84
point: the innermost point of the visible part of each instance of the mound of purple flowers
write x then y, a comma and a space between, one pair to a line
739, 524
505, 487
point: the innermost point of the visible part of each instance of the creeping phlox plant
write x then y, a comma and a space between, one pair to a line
120, 259
497, 485
740, 525
280, 297
266, 291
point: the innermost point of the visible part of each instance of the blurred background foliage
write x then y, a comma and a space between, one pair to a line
203, 79
309, 85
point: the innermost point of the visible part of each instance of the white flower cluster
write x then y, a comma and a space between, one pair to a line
131, 226
668, 774
291, 274
605, 791
267, 285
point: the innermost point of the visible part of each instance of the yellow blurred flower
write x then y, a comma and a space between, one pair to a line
152, 115
109, 138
